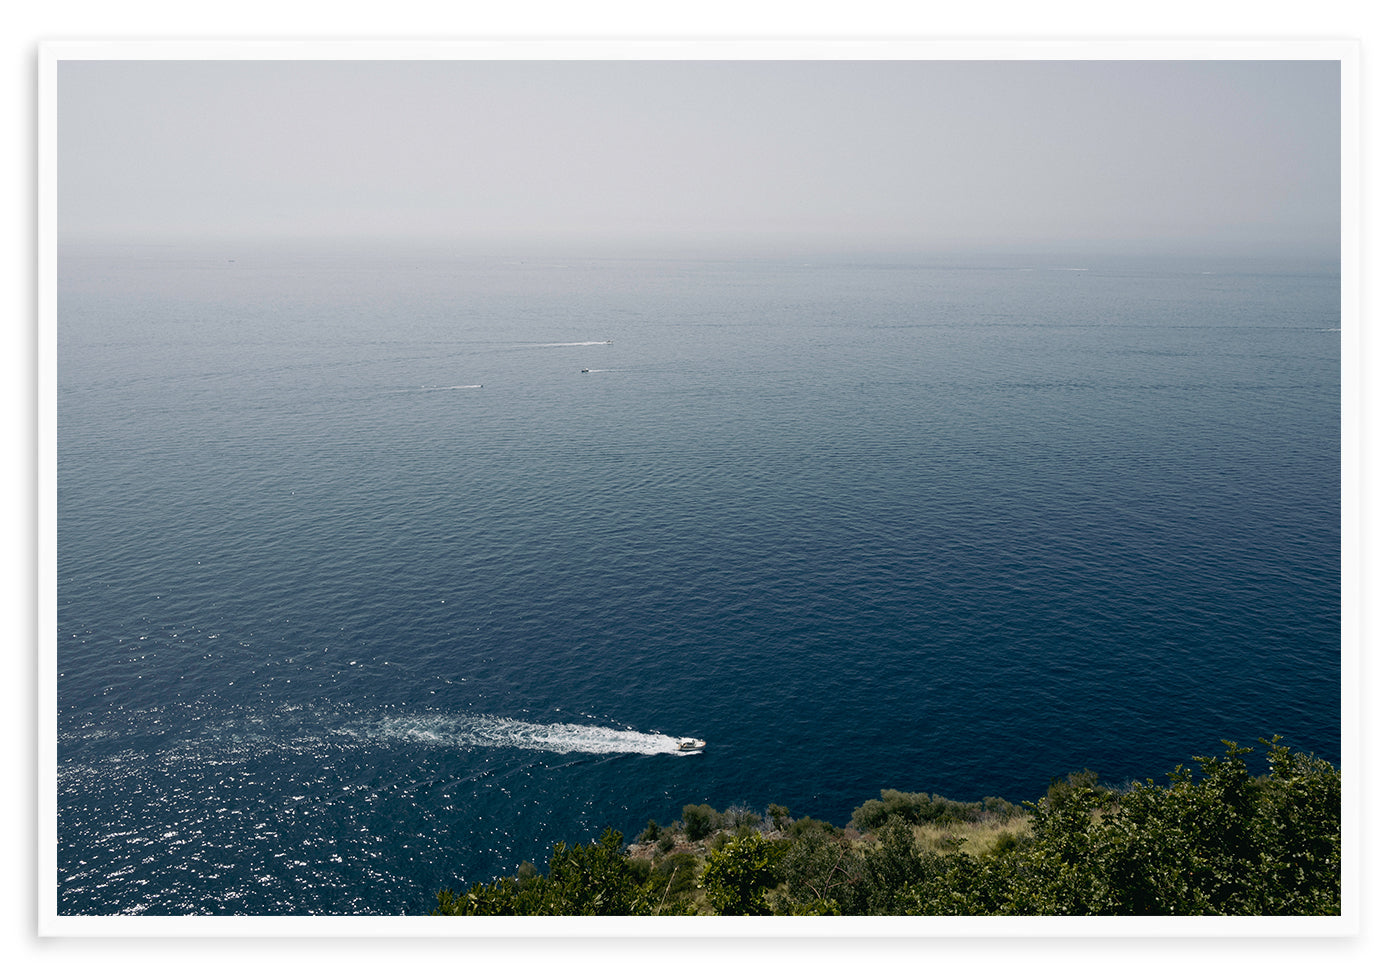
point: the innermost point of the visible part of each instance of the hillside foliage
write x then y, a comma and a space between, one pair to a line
1213, 840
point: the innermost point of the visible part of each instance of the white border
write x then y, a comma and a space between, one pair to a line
50, 53
719, 49
46, 543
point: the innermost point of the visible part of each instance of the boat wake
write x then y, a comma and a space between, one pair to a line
219, 738
560, 738
561, 345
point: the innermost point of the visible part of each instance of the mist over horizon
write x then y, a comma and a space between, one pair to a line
702, 249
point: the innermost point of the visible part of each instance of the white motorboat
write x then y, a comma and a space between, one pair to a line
690, 744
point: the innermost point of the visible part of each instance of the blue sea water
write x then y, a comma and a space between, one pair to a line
380, 572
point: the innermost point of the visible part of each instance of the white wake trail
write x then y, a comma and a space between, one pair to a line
560, 738
562, 345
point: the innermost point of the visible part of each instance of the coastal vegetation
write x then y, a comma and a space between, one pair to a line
1215, 839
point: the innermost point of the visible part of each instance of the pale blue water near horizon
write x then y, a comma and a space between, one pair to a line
366, 587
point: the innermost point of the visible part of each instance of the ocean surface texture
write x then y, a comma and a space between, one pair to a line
382, 572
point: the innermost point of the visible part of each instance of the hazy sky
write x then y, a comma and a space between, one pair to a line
826, 153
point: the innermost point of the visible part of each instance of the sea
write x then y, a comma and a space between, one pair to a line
381, 570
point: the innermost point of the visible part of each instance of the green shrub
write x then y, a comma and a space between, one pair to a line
913, 808
1060, 790
699, 821
740, 818
738, 873
1228, 843
818, 870
894, 871
676, 882
802, 827
1008, 842
592, 879
1000, 809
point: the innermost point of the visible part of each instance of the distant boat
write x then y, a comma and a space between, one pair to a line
689, 744
585, 370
